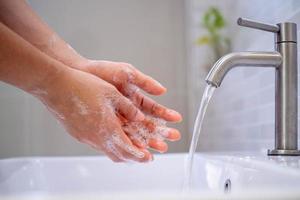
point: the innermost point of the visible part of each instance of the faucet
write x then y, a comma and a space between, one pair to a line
284, 61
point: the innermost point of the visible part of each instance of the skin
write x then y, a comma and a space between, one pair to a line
151, 133
25, 67
115, 80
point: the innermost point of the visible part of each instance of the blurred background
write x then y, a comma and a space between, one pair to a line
174, 41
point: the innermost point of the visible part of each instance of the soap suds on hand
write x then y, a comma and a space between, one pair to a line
155, 128
83, 108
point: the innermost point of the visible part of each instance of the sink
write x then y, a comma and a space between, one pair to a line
215, 175
56, 175
246, 171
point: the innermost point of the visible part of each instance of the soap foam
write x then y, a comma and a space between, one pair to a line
128, 148
141, 132
110, 147
126, 74
83, 108
38, 93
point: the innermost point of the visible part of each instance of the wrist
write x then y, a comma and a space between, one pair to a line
48, 85
80, 63
61, 51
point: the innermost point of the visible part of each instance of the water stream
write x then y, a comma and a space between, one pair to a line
208, 92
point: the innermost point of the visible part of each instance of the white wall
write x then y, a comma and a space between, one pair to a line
148, 34
200, 58
241, 114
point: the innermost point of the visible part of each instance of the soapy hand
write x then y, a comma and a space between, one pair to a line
88, 107
128, 80
150, 133
92, 110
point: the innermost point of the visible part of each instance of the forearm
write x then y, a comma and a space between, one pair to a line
19, 17
24, 66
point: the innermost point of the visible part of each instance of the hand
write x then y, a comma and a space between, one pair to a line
81, 101
128, 80
87, 107
150, 133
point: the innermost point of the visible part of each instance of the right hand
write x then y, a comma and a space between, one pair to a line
88, 107
150, 133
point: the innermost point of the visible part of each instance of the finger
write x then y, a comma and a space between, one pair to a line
112, 139
149, 105
114, 157
122, 119
129, 156
132, 132
108, 150
128, 109
170, 134
148, 84
128, 150
139, 132
135, 138
158, 145
139, 142
121, 141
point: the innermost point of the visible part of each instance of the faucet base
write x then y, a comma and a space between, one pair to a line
281, 152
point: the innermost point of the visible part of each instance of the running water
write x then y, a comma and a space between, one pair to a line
208, 92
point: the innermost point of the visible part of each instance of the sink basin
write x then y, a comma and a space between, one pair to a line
247, 171
239, 175
56, 175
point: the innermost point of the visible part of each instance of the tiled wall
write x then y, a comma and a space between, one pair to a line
241, 113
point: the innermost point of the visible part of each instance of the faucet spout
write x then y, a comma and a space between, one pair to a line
249, 59
284, 60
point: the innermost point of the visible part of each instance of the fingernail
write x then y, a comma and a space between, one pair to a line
174, 135
162, 147
174, 113
150, 159
160, 85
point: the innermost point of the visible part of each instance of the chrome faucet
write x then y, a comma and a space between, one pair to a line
284, 61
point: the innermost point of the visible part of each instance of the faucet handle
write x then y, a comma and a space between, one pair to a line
257, 25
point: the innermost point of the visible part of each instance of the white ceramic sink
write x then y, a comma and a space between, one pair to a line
247, 171
248, 175
88, 174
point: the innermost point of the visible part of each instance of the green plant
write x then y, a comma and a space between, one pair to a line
214, 22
